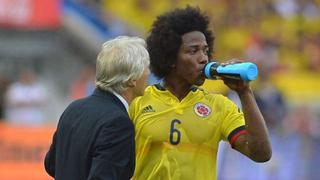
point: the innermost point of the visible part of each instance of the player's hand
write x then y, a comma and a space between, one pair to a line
237, 85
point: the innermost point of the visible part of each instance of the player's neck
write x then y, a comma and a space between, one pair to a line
180, 90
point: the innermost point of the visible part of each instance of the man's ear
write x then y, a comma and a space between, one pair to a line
132, 83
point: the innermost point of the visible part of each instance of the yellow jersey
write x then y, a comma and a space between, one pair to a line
178, 140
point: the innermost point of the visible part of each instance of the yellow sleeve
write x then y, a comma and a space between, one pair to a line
233, 120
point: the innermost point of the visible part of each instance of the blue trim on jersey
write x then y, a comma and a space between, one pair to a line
160, 87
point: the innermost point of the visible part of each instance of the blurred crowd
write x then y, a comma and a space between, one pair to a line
284, 34
26, 100
280, 36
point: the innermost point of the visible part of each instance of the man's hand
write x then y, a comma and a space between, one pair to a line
237, 85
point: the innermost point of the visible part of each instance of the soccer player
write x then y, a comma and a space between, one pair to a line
178, 125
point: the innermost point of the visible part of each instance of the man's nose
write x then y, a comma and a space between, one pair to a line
204, 59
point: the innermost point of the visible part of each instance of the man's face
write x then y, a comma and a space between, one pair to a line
192, 57
142, 83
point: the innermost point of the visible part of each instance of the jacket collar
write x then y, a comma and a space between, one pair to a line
111, 96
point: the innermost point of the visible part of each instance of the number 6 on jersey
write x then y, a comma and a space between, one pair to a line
175, 134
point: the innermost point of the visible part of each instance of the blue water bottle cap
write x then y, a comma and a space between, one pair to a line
207, 70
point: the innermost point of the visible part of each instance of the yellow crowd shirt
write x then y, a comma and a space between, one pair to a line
178, 140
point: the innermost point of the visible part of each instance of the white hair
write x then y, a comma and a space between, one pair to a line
120, 60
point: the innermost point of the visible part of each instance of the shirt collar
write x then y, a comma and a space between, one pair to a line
124, 102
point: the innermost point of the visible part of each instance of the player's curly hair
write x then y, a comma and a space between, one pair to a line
164, 40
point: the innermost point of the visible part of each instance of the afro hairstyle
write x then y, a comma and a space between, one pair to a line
166, 33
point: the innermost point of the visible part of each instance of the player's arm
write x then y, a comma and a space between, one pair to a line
255, 142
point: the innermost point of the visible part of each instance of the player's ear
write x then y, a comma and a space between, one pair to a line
132, 83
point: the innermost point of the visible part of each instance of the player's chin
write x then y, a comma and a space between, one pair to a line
200, 82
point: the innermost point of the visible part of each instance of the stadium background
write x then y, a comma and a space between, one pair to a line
58, 40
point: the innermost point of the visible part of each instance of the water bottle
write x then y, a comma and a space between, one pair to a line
246, 71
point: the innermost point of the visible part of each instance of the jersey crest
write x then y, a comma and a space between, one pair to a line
202, 110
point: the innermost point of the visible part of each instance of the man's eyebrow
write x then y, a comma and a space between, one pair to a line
196, 46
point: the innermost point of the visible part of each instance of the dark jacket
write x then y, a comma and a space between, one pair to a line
94, 140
